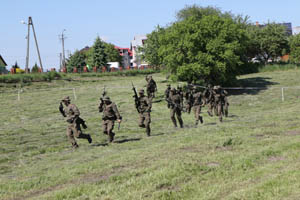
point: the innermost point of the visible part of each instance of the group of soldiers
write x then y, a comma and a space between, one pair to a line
215, 98
179, 100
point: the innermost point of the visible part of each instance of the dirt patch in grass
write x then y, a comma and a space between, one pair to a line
190, 149
213, 164
293, 132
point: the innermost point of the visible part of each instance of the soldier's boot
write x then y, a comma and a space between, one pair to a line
174, 122
209, 113
226, 112
196, 123
111, 137
89, 138
148, 130
181, 123
201, 119
220, 118
75, 145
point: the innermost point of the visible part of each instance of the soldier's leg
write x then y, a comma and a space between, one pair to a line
196, 115
216, 107
110, 127
178, 114
219, 110
141, 120
209, 111
147, 123
71, 136
81, 122
226, 109
78, 133
172, 114
104, 127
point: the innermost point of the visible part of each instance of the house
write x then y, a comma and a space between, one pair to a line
2, 66
126, 54
137, 42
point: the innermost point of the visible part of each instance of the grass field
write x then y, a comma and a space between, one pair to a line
253, 154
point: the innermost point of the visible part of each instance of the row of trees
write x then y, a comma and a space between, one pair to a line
97, 56
215, 47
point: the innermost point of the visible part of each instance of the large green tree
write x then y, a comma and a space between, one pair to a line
76, 60
112, 53
99, 55
294, 43
268, 41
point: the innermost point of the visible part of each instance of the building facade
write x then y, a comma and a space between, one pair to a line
137, 42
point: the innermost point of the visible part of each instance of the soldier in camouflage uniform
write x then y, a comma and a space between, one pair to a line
151, 87
198, 103
176, 107
220, 101
110, 115
210, 100
144, 108
167, 94
188, 96
73, 129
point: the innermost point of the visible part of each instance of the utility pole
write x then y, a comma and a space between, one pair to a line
60, 62
30, 23
62, 38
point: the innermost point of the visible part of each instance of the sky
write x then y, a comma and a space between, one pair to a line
115, 21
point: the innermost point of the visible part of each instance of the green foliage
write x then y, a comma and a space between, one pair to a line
99, 55
77, 60
15, 66
268, 42
294, 43
112, 53
121, 73
35, 68
28, 78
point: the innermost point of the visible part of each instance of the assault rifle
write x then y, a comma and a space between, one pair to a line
174, 105
61, 109
136, 98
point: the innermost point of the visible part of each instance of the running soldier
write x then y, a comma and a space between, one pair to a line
198, 103
110, 115
176, 107
167, 94
210, 100
220, 101
188, 96
143, 105
151, 87
73, 129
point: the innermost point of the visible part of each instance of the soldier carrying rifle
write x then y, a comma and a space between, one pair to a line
143, 105
74, 121
176, 107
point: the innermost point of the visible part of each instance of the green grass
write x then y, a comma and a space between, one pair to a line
254, 154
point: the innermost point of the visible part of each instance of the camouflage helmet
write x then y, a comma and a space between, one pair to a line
141, 91
173, 90
106, 98
66, 99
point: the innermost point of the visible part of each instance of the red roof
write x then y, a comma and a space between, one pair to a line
120, 48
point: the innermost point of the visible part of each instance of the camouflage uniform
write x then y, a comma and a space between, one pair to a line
110, 114
220, 98
73, 129
144, 108
167, 94
176, 107
210, 100
188, 96
151, 87
198, 103
225, 102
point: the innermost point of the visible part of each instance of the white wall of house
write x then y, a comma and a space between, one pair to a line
138, 41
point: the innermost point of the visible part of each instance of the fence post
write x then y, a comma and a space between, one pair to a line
282, 94
74, 93
19, 95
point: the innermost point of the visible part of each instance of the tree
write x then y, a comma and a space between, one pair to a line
76, 60
150, 50
112, 53
15, 66
35, 68
270, 41
294, 43
99, 55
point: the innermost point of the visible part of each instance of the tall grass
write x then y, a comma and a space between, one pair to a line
28, 78
277, 67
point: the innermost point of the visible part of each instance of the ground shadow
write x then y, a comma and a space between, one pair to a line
211, 123
127, 140
99, 144
158, 134
255, 85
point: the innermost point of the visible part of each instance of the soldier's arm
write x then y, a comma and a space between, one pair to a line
100, 107
149, 103
115, 109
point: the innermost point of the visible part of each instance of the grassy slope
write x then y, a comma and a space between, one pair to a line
254, 154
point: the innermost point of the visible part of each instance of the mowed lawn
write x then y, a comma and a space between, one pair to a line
253, 154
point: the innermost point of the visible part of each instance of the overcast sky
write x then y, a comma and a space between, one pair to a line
115, 21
